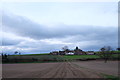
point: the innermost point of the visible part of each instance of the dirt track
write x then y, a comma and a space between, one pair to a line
48, 70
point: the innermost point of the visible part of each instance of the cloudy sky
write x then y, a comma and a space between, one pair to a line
41, 27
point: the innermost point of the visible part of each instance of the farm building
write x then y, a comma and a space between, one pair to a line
76, 51
54, 53
61, 52
70, 53
90, 53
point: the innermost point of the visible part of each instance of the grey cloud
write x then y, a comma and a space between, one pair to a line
8, 41
68, 33
21, 26
33, 47
24, 27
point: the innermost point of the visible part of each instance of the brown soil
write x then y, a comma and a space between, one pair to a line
51, 70
110, 68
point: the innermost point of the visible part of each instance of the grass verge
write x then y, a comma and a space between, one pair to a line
110, 77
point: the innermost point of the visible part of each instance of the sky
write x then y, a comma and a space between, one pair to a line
42, 27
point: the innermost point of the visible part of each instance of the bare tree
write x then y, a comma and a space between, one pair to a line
16, 52
65, 48
118, 49
19, 53
106, 52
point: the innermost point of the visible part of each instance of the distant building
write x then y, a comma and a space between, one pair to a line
76, 51
61, 52
70, 53
90, 52
54, 53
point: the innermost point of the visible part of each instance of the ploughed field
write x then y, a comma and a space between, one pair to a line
80, 69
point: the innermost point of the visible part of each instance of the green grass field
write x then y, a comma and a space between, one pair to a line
110, 77
51, 58
70, 57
